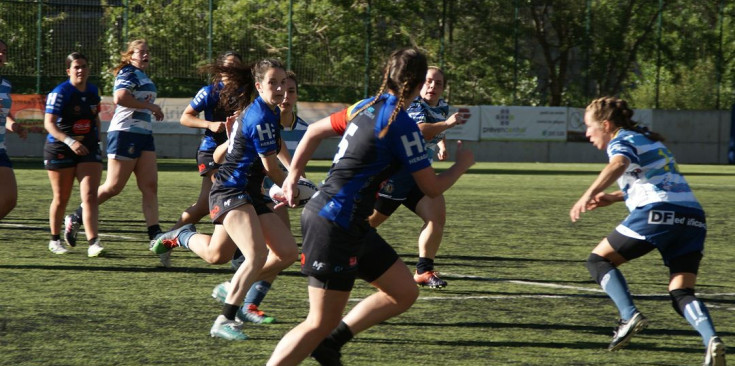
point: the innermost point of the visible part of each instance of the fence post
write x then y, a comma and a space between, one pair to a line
39, 31
367, 49
210, 32
290, 34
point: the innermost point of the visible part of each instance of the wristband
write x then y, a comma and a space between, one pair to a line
69, 141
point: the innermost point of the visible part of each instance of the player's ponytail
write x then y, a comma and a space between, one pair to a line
399, 106
617, 112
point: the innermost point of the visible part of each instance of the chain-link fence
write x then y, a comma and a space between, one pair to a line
519, 52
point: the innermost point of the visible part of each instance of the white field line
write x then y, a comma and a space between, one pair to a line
539, 296
36, 227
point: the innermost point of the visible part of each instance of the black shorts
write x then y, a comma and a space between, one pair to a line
387, 206
631, 248
57, 155
333, 254
205, 162
224, 199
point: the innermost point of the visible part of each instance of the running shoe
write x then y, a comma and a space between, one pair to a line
326, 355
220, 291
252, 314
165, 259
429, 279
227, 329
72, 223
95, 250
169, 240
715, 355
57, 247
626, 330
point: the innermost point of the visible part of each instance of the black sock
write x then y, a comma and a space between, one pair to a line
153, 230
340, 335
424, 265
56, 237
93, 240
230, 311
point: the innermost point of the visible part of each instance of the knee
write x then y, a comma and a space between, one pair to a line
680, 298
113, 189
598, 267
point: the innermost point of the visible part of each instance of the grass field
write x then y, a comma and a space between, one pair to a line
518, 291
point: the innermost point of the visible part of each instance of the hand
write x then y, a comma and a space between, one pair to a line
230, 122
465, 157
79, 149
157, 112
19, 130
216, 127
291, 190
458, 118
584, 204
442, 154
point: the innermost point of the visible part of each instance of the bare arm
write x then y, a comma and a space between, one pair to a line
594, 195
124, 98
433, 184
316, 132
190, 118
49, 123
272, 169
429, 130
13, 126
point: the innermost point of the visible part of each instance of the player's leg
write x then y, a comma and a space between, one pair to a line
146, 175
62, 181
326, 305
243, 226
603, 264
200, 208
381, 266
9, 193
682, 281
433, 212
89, 175
282, 254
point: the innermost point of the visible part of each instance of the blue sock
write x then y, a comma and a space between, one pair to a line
697, 315
184, 237
257, 293
615, 286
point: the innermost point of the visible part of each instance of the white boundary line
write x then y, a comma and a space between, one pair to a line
36, 227
537, 284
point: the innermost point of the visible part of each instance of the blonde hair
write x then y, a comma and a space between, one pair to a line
127, 55
617, 112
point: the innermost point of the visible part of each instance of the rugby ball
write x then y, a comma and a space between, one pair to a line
306, 189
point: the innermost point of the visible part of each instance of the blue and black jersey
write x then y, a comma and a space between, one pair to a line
365, 160
76, 111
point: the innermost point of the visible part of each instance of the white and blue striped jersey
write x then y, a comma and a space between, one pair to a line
422, 112
292, 134
653, 175
135, 81
5, 103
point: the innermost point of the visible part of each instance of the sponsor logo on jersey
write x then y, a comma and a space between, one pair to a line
416, 141
82, 126
265, 132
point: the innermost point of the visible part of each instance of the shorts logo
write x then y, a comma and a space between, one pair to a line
353, 261
318, 265
214, 211
202, 167
227, 203
656, 217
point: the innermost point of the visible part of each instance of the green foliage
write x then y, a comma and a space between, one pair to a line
518, 291
523, 52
